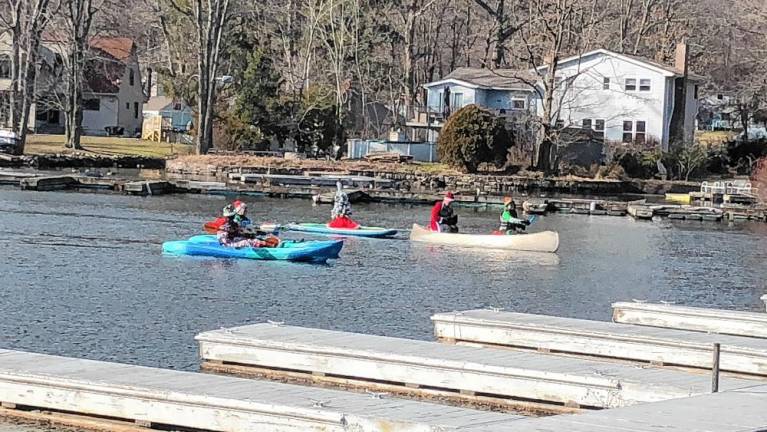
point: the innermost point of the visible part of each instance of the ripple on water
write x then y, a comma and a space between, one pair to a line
83, 274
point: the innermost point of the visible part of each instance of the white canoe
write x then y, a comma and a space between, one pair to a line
546, 241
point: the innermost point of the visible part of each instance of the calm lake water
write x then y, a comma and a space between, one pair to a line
83, 276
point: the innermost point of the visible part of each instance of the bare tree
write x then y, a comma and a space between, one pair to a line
74, 39
504, 24
25, 22
556, 29
209, 18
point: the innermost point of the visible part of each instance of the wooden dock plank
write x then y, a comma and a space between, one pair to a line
739, 410
753, 324
218, 403
497, 372
603, 339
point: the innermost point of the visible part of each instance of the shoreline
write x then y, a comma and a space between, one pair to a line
380, 182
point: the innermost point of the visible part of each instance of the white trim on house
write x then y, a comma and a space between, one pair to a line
633, 60
471, 85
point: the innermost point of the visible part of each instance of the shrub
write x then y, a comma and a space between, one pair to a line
637, 163
472, 136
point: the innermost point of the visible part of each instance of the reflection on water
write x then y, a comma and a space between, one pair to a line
492, 259
83, 274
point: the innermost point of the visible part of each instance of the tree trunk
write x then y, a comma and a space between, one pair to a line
744, 115
500, 49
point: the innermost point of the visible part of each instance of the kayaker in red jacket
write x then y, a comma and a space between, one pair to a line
231, 233
240, 209
342, 210
442, 217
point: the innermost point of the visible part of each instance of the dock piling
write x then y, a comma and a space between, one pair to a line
715, 369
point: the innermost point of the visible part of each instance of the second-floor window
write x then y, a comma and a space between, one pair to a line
131, 77
586, 124
644, 85
605, 83
135, 110
5, 67
631, 84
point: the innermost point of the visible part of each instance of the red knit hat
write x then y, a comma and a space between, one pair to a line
449, 196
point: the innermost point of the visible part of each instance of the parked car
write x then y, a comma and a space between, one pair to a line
8, 141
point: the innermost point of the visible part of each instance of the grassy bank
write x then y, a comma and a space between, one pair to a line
108, 146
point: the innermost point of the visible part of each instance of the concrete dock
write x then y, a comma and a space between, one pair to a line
740, 410
753, 324
602, 339
83, 392
499, 373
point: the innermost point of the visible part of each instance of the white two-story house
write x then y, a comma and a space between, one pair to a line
628, 99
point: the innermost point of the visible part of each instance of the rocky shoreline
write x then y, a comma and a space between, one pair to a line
80, 161
409, 178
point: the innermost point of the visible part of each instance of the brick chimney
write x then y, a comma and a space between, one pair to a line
681, 58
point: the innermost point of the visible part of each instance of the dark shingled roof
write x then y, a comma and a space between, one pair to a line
498, 78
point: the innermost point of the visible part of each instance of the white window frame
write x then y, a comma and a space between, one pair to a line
626, 84
649, 85
594, 124
606, 83
5, 66
634, 131
518, 99
591, 123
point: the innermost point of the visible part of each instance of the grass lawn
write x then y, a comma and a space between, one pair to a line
111, 146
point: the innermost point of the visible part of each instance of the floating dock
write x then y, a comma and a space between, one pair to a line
658, 346
52, 183
733, 411
502, 374
753, 324
85, 392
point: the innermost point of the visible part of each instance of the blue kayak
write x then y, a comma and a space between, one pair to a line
362, 231
307, 251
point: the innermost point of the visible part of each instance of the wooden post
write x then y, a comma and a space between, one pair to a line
715, 370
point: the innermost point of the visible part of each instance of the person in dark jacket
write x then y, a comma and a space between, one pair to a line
442, 217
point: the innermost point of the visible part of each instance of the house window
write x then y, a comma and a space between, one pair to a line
628, 129
586, 124
605, 83
599, 125
177, 106
5, 67
135, 110
127, 105
631, 84
457, 100
131, 77
639, 136
560, 124
697, 89
644, 85
92, 104
518, 104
